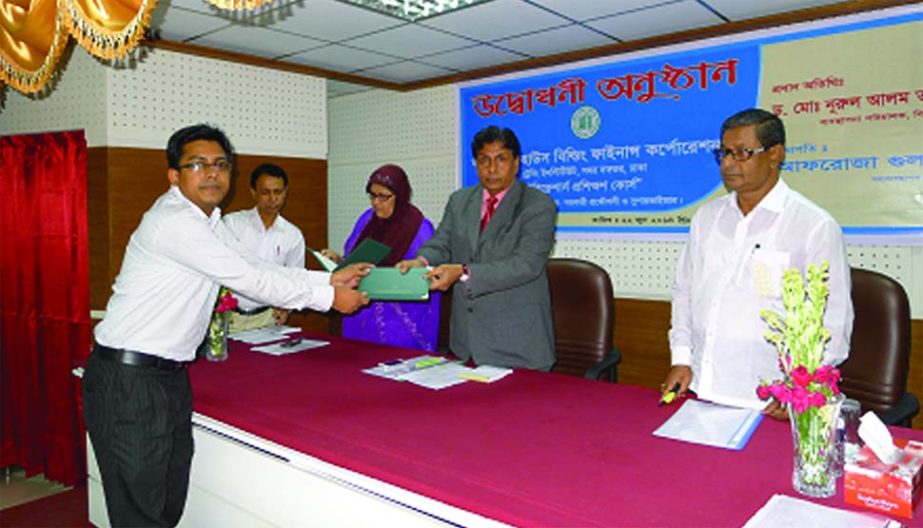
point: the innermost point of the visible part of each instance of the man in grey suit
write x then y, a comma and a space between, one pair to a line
495, 238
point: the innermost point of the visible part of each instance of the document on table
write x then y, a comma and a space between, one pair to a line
701, 422
485, 373
290, 346
435, 372
782, 510
267, 334
437, 377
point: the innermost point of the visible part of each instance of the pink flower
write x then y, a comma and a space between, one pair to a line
817, 399
822, 374
226, 303
800, 399
780, 392
801, 376
763, 392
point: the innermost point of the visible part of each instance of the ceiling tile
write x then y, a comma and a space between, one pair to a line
480, 56
668, 18
558, 40
340, 58
737, 10
587, 9
496, 19
410, 41
257, 41
179, 24
330, 20
406, 71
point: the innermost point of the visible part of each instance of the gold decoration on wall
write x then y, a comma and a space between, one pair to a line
33, 34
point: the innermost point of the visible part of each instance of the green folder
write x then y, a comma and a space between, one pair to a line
389, 284
368, 251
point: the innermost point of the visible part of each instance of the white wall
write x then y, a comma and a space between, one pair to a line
417, 130
263, 111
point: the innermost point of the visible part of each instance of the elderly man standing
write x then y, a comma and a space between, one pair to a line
272, 238
494, 239
137, 399
731, 269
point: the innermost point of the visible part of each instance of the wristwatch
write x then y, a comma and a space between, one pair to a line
465, 274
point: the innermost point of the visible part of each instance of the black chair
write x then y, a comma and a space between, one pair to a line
876, 371
584, 319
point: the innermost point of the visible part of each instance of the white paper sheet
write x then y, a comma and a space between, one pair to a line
267, 334
782, 510
707, 423
290, 346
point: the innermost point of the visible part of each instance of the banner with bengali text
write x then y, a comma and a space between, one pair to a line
625, 146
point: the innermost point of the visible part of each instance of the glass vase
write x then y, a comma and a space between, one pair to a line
217, 349
814, 443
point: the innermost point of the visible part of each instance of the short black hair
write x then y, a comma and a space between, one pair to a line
272, 170
769, 128
204, 132
492, 134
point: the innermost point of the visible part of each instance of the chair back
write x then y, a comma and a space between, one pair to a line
584, 314
879, 352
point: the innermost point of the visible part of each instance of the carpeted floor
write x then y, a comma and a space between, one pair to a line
67, 509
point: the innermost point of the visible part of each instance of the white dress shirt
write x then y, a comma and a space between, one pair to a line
730, 270
163, 298
282, 244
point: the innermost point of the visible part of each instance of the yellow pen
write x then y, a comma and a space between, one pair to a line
670, 395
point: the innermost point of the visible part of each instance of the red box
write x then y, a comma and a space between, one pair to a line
893, 489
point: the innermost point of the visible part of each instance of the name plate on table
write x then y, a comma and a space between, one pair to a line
389, 284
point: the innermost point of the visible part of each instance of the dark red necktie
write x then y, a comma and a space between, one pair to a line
491, 203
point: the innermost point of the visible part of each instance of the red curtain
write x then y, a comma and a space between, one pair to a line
44, 302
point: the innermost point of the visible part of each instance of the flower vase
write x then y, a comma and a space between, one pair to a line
814, 439
217, 349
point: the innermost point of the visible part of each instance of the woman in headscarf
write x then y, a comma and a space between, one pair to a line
395, 222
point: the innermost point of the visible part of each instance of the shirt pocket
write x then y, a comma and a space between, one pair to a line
766, 269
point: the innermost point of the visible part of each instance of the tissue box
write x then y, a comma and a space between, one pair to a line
893, 489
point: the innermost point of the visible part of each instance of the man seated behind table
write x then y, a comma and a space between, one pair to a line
731, 269
493, 244
269, 236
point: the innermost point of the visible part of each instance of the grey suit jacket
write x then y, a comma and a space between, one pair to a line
502, 316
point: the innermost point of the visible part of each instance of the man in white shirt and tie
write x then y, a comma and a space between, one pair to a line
731, 267
270, 237
137, 399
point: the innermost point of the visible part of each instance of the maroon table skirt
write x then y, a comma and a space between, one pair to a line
532, 449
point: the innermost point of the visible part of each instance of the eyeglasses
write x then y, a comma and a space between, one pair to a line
739, 154
202, 166
380, 197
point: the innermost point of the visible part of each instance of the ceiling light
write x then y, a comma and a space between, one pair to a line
414, 10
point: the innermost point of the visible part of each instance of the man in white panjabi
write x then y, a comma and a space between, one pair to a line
731, 269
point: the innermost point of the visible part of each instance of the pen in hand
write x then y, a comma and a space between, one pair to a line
670, 395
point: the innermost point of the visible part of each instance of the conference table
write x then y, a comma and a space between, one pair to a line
308, 439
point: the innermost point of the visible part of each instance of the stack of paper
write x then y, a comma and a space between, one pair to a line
702, 422
782, 510
290, 346
436, 372
267, 334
